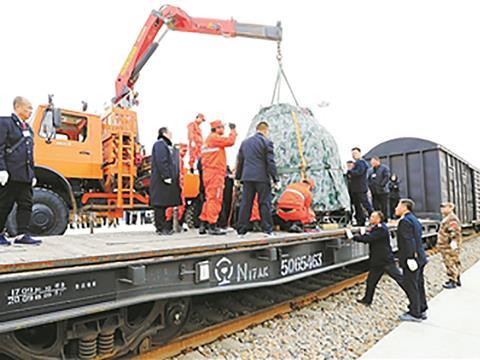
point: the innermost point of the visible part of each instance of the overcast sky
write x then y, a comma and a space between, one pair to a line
387, 68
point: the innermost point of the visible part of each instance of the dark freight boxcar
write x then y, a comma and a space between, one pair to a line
431, 174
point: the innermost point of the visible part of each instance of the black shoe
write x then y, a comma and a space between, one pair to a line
214, 230
424, 315
450, 285
165, 232
364, 302
27, 240
458, 281
4, 241
202, 229
295, 228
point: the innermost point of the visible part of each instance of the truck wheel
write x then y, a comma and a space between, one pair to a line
49, 214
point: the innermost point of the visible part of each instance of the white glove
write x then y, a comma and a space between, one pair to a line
3, 177
363, 230
349, 234
34, 182
277, 186
454, 245
167, 181
412, 264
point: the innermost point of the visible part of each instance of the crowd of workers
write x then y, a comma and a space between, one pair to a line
257, 172
384, 188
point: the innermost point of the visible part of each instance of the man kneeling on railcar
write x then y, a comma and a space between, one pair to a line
294, 206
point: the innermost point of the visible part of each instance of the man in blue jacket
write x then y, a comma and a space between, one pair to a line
357, 173
256, 168
16, 170
380, 255
412, 258
378, 178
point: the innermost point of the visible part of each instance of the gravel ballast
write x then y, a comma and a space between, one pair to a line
334, 328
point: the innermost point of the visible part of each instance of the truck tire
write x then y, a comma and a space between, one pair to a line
49, 214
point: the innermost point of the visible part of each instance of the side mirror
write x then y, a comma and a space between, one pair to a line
57, 118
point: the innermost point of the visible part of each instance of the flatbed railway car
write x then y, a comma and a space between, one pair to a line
430, 174
102, 295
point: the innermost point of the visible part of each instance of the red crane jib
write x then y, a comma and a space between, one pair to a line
176, 19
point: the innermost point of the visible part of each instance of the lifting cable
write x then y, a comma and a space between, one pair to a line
276, 99
276, 96
278, 81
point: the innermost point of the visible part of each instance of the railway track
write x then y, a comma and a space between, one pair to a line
213, 318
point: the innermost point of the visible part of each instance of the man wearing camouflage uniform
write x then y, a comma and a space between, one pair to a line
449, 241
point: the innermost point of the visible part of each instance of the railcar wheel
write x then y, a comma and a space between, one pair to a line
176, 314
39, 342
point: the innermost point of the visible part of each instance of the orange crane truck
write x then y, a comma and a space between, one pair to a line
87, 163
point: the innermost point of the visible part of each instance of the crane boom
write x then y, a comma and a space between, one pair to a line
176, 19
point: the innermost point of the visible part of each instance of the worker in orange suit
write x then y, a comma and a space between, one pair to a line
294, 205
255, 218
195, 140
255, 210
181, 208
214, 170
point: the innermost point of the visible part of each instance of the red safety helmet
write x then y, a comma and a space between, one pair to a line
216, 124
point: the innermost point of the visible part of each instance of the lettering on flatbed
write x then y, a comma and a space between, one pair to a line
30, 294
300, 264
227, 271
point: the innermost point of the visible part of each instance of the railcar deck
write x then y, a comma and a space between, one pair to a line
76, 250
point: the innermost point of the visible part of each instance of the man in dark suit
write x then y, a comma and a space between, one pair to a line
256, 168
378, 177
393, 193
357, 173
16, 170
412, 259
164, 182
380, 255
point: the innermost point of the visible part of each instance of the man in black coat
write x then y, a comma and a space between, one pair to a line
393, 193
380, 255
359, 186
378, 177
412, 259
256, 168
165, 180
16, 170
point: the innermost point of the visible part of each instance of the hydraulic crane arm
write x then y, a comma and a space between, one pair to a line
176, 19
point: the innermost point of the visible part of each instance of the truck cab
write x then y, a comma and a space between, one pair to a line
72, 147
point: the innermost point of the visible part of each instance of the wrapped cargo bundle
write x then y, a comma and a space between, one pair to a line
300, 141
